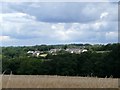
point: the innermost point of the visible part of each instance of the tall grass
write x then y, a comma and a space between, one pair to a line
44, 81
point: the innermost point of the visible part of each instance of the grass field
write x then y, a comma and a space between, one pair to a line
39, 81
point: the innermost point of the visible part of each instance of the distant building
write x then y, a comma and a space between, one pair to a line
54, 50
75, 50
35, 53
43, 55
30, 52
84, 50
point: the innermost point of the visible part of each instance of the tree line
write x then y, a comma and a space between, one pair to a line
88, 63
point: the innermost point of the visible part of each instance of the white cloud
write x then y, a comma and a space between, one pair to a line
112, 36
104, 15
16, 17
98, 24
53, 27
14, 24
4, 38
56, 32
25, 28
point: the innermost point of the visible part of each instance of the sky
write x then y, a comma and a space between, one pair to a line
35, 23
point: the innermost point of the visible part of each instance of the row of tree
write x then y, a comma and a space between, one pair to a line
88, 63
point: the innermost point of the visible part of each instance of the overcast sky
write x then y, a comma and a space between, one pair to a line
35, 23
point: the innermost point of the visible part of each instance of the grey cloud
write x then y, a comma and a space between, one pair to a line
72, 22
63, 12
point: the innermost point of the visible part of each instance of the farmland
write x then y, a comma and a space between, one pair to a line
45, 81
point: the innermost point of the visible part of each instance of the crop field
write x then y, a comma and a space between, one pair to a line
44, 81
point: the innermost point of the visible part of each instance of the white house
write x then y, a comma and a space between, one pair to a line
74, 50
84, 50
54, 50
30, 52
34, 53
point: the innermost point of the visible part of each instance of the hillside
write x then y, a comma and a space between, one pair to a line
98, 60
